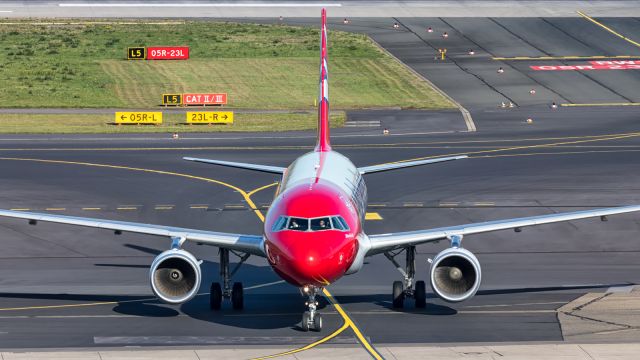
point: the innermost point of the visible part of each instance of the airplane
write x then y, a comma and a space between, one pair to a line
314, 232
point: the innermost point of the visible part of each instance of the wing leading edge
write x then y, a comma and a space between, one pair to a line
257, 167
251, 244
406, 164
385, 242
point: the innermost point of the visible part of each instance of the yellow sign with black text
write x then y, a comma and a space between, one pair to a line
210, 117
128, 117
135, 53
172, 99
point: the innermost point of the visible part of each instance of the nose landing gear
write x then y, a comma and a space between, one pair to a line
225, 291
311, 319
402, 290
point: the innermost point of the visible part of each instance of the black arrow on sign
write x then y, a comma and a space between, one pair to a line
122, 117
225, 116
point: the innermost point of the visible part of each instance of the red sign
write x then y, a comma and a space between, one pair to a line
168, 53
587, 67
204, 99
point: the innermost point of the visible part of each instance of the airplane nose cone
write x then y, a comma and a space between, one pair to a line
318, 259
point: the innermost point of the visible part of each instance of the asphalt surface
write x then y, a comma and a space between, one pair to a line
72, 287
526, 276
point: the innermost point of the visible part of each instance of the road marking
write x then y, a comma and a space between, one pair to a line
522, 147
448, 204
603, 104
347, 320
570, 57
484, 204
309, 346
126, 208
198, 206
264, 285
372, 216
164, 207
250, 193
20, 209
198, 5
55, 209
413, 204
91, 208
376, 205
6, 11
232, 206
608, 28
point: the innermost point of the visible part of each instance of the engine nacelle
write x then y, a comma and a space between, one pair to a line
455, 274
175, 276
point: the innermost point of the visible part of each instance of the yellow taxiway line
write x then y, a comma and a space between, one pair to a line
608, 29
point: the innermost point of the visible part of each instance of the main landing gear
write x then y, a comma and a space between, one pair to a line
224, 291
311, 319
403, 290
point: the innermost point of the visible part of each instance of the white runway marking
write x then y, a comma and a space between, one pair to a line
264, 285
250, 5
6, 11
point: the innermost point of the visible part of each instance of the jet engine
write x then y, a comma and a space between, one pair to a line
175, 276
455, 274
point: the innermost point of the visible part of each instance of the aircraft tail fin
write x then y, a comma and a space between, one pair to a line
323, 143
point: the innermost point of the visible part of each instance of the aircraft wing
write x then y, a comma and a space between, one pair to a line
385, 242
405, 164
257, 167
251, 244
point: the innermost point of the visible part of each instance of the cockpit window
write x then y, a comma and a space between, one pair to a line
337, 224
318, 224
280, 224
299, 224
315, 224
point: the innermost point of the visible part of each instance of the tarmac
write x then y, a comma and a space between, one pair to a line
555, 291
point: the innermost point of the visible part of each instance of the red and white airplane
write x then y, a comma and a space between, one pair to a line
313, 232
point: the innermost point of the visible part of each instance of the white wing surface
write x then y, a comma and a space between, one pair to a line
405, 164
385, 242
257, 167
251, 244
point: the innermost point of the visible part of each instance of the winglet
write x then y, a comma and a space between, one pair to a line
323, 143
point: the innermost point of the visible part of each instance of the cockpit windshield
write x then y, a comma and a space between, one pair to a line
298, 224
314, 224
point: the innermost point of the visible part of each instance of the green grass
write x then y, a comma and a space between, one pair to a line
259, 66
102, 123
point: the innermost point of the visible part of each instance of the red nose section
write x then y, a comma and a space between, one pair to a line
311, 258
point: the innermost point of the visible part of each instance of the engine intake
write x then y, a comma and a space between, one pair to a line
175, 276
455, 274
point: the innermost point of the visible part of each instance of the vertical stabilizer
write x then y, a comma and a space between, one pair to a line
323, 100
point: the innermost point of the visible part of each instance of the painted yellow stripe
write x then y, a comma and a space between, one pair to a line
126, 208
367, 345
448, 204
20, 209
309, 346
163, 207
608, 29
199, 207
376, 205
56, 209
588, 140
372, 216
235, 206
568, 57
484, 204
603, 104
91, 208
252, 192
413, 204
